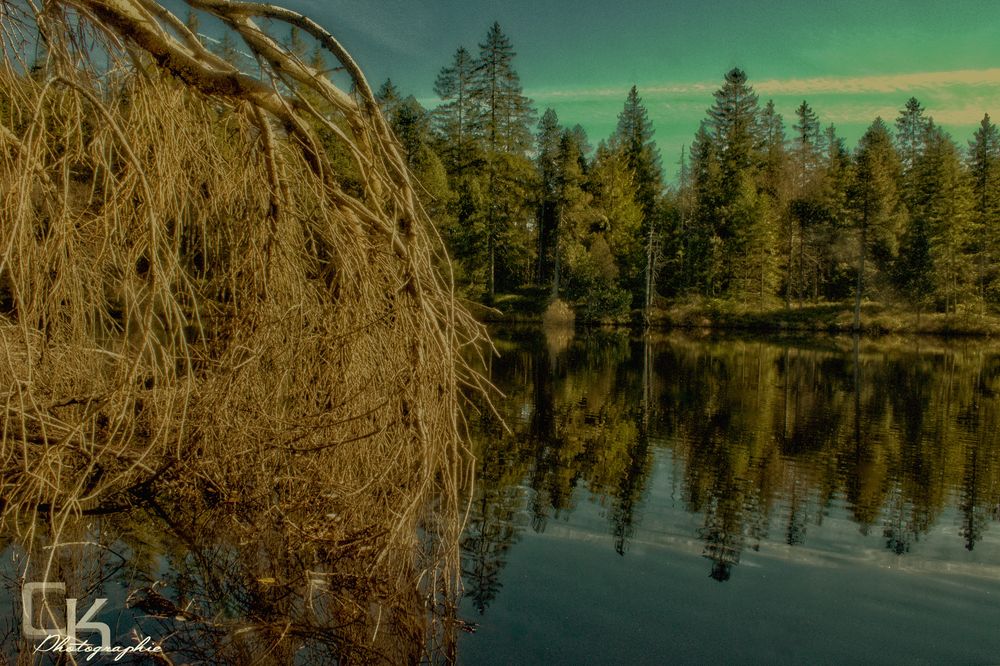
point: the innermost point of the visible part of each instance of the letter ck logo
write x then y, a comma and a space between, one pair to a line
73, 625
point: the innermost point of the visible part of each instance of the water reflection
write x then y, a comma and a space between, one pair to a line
222, 583
764, 437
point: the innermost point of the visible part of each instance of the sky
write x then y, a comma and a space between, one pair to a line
852, 60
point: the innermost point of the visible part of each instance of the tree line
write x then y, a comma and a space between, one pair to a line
765, 440
761, 213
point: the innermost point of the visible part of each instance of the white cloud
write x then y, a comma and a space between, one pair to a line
826, 85
882, 83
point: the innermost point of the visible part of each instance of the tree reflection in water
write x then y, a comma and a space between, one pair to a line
229, 583
765, 434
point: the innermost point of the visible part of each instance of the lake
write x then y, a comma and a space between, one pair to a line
660, 499
723, 499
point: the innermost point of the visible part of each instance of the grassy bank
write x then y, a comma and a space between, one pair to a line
876, 319
525, 306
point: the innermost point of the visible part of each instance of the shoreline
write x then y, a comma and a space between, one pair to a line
877, 320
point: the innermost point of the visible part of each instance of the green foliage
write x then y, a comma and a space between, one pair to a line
984, 171
606, 303
617, 212
754, 259
733, 120
875, 199
911, 128
411, 124
702, 262
807, 228
592, 280
549, 164
833, 256
739, 176
808, 142
388, 98
511, 202
755, 216
457, 119
938, 263
634, 136
483, 137
496, 86
773, 157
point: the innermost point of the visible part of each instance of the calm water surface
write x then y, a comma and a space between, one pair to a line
660, 500
722, 500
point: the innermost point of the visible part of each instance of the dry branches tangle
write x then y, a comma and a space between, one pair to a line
219, 286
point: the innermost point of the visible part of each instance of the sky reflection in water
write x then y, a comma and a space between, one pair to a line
845, 493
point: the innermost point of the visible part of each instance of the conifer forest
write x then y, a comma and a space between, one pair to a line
302, 366
757, 208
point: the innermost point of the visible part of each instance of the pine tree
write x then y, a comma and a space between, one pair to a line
548, 161
676, 248
506, 114
733, 121
704, 244
748, 146
912, 130
457, 120
774, 182
876, 205
914, 271
577, 235
580, 137
457, 131
512, 186
774, 159
617, 211
807, 144
496, 87
634, 136
753, 249
805, 207
911, 126
936, 250
388, 98
984, 169
411, 125
410, 122
833, 274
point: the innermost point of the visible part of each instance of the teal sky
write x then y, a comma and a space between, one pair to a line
851, 59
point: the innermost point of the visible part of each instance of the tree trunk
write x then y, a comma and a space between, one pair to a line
861, 273
649, 277
790, 262
800, 292
491, 234
555, 249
